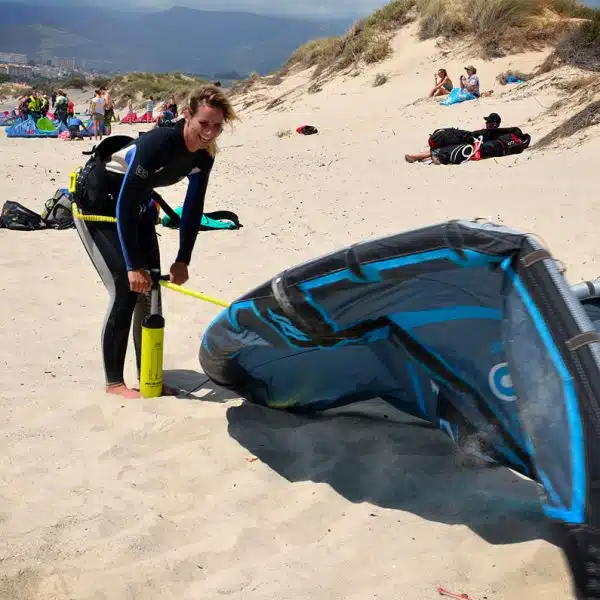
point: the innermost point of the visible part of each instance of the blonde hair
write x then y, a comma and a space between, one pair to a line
213, 96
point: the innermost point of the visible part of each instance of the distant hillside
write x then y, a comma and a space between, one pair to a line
178, 39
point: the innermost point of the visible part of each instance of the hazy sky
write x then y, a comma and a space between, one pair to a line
304, 8
334, 8
313, 8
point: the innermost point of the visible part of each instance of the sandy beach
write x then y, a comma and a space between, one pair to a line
206, 496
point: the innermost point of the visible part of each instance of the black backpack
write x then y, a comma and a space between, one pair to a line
20, 218
93, 192
58, 212
450, 136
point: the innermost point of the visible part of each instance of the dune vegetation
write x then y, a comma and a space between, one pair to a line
585, 118
160, 86
137, 86
497, 26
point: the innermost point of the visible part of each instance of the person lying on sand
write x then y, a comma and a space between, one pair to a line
442, 87
123, 255
492, 121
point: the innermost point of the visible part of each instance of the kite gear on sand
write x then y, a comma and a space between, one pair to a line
307, 130
57, 214
455, 146
220, 219
449, 136
389, 318
20, 218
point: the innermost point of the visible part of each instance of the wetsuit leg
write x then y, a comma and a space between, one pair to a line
101, 241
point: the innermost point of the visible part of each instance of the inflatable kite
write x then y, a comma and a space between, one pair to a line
469, 326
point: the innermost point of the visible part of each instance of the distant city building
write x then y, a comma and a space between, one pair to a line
64, 63
13, 58
23, 73
20, 71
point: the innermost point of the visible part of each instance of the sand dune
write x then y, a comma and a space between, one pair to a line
161, 499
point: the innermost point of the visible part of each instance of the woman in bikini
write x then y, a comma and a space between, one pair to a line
443, 84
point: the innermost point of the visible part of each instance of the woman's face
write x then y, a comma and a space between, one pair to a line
203, 128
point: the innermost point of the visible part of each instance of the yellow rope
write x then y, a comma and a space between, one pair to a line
171, 286
97, 218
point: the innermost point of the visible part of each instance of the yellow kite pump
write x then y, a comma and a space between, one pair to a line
153, 333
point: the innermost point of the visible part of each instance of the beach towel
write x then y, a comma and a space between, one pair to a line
456, 96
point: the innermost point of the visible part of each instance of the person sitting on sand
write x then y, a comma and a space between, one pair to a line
492, 121
165, 116
470, 83
74, 124
124, 254
442, 87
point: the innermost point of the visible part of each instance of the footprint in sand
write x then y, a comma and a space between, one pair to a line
92, 416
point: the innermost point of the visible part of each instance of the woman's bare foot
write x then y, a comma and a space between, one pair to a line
120, 389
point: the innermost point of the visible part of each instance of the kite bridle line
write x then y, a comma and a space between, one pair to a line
164, 280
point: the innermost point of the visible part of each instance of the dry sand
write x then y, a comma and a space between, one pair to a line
161, 499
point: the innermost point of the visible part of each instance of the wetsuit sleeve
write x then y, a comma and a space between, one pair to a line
191, 215
135, 190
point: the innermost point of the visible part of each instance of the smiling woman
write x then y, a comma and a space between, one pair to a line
208, 110
124, 255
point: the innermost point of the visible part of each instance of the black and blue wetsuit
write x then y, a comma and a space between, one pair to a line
156, 159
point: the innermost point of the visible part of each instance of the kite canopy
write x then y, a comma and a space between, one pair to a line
469, 326
45, 124
29, 128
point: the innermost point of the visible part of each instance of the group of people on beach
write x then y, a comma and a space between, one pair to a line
469, 83
37, 105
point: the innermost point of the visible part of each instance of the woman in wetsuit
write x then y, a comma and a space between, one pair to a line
123, 255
